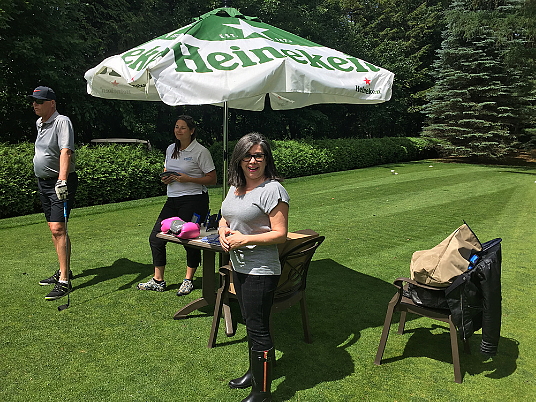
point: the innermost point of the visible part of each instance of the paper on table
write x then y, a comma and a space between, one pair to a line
211, 239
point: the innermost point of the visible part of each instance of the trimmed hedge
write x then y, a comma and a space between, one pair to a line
113, 173
107, 173
296, 158
18, 188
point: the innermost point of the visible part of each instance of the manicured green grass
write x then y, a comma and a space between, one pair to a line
118, 344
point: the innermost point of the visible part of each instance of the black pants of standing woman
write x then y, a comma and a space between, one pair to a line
255, 295
184, 207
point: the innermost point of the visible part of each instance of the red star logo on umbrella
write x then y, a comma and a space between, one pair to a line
367, 81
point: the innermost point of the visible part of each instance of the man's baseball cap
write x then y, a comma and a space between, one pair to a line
45, 93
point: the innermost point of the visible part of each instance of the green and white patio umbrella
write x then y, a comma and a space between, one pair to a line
228, 59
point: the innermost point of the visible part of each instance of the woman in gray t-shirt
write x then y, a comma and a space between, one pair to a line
254, 220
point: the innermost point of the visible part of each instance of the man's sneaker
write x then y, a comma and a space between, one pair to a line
186, 287
54, 278
153, 285
60, 290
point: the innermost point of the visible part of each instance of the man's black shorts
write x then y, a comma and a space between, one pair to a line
52, 206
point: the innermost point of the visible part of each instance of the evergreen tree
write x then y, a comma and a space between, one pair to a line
522, 57
475, 104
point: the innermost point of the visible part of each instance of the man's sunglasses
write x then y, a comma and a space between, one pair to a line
40, 101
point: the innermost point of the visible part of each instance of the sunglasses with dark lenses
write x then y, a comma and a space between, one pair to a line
258, 157
39, 101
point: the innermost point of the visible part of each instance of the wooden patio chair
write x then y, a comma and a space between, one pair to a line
400, 302
295, 257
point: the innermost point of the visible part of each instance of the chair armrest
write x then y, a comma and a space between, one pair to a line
399, 283
225, 270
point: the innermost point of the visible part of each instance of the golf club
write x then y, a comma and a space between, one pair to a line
64, 306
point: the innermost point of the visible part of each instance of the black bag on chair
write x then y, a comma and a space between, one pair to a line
427, 298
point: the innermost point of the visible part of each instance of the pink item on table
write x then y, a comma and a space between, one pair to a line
166, 223
189, 230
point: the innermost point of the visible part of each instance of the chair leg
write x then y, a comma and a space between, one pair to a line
385, 331
455, 353
402, 323
229, 325
305, 320
216, 319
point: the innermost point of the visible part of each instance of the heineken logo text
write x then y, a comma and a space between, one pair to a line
367, 91
189, 59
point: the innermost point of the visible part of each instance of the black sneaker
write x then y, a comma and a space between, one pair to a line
54, 278
60, 290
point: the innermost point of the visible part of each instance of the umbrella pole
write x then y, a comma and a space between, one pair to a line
225, 152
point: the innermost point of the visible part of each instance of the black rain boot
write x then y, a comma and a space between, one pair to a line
245, 380
261, 369
242, 382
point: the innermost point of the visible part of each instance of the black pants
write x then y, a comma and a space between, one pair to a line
255, 295
184, 207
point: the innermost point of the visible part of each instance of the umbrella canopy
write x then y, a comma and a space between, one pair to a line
226, 58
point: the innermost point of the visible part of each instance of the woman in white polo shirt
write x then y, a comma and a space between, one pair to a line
192, 169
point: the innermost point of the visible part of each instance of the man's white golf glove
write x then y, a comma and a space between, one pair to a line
61, 189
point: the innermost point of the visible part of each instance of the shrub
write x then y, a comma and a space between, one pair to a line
108, 173
295, 158
18, 185
349, 154
300, 158
113, 173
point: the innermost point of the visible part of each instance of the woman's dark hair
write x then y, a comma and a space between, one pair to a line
189, 120
241, 149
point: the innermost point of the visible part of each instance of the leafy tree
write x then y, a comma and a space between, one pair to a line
475, 105
53, 43
37, 47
